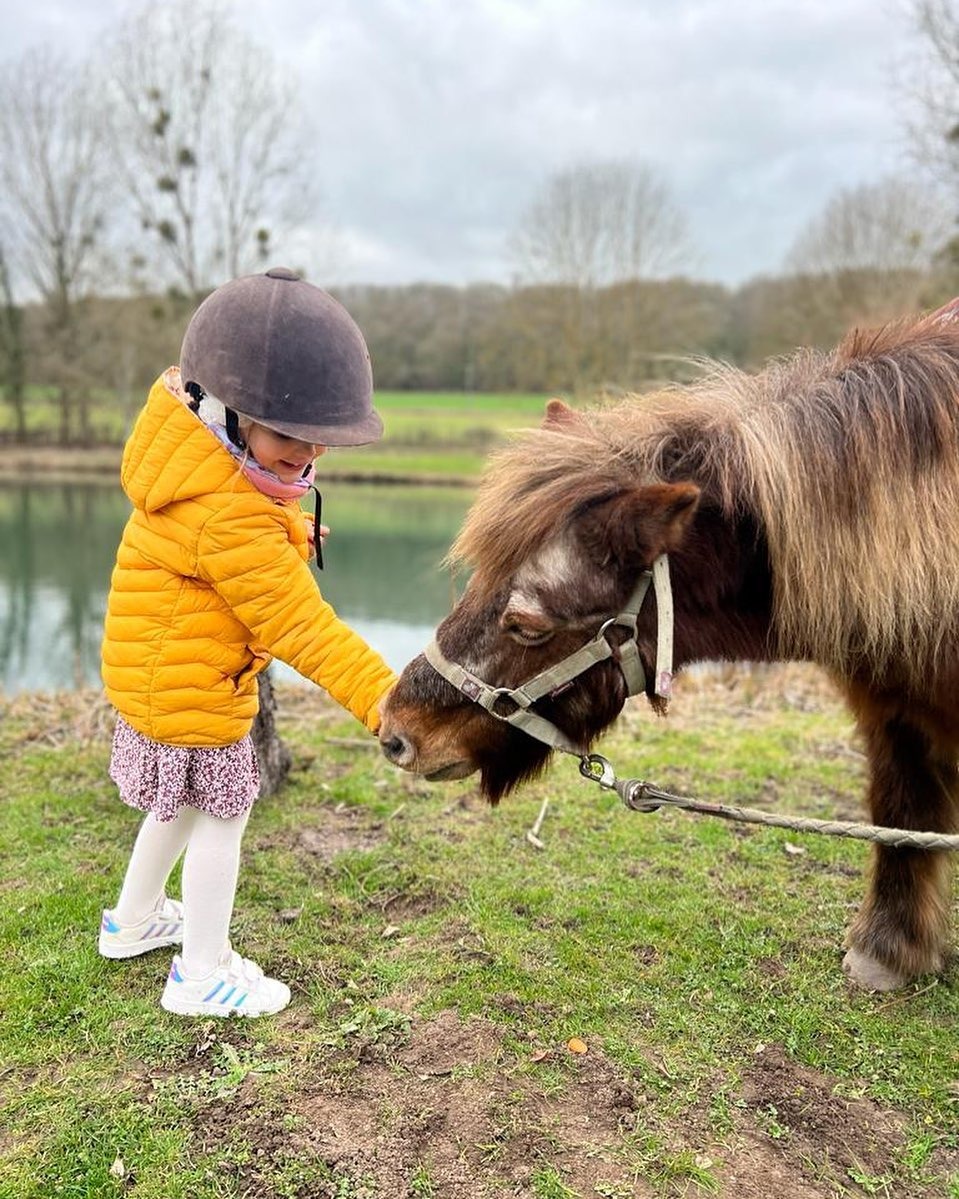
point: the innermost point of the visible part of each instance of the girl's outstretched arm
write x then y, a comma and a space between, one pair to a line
246, 555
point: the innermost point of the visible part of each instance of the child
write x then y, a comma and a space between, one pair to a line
211, 581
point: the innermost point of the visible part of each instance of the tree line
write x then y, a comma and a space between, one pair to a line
128, 191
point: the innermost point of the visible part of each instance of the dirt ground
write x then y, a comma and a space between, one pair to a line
446, 1097
446, 1103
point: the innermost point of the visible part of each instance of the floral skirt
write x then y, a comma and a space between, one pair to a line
163, 778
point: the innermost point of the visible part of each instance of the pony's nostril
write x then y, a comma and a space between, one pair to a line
395, 747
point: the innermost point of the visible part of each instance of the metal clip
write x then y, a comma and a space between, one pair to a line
632, 793
598, 769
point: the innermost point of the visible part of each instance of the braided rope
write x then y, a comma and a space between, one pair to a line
640, 796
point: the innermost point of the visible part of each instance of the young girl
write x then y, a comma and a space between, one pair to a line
211, 581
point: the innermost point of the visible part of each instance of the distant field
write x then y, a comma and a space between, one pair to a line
428, 435
438, 434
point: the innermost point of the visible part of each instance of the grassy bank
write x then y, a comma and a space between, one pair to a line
429, 437
649, 1005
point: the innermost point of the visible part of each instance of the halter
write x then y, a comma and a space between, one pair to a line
515, 704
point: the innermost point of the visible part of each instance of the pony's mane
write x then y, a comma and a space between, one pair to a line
848, 460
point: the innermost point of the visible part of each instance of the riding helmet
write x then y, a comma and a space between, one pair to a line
285, 354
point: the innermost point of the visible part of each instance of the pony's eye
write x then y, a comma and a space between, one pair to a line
528, 636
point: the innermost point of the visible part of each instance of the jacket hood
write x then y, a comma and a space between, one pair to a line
171, 454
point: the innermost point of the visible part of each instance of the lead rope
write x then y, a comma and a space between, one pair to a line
641, 796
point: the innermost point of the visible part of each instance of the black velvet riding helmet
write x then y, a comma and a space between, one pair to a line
284, 353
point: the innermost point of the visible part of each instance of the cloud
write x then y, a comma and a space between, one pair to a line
435, 122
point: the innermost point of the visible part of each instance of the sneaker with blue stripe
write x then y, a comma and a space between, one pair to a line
161, 927
236, 987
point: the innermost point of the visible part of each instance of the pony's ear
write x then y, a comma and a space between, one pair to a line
559, 415
636, 526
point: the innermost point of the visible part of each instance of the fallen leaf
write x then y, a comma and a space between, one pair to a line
390, 931
575, 1045
118, 1169
539, 1056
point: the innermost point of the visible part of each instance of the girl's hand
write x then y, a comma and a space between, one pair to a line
311, 532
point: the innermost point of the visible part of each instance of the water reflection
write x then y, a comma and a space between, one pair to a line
58, 542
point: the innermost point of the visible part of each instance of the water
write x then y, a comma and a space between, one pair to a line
58, 542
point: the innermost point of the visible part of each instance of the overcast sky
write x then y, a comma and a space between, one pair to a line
437, 119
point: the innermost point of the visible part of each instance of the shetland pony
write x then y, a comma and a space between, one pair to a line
809, 512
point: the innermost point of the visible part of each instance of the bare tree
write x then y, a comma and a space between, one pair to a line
55, 197
588, 228
208, 143
891, 225
211, 152
601, 223
12, 352
869, 255
932, 88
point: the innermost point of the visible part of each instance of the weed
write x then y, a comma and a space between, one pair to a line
421, 1185
872, 1184
547, 1183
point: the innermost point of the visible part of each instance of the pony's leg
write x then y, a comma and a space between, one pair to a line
901, 929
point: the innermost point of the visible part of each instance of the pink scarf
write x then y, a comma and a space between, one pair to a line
262, 479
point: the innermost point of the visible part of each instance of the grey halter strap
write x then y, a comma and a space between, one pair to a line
518, 701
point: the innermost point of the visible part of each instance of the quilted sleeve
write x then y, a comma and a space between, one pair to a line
245, 554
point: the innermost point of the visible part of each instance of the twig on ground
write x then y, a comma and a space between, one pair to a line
906, 996
532, 835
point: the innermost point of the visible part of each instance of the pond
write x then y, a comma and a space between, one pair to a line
58, 542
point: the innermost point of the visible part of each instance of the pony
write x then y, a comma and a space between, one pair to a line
808, 512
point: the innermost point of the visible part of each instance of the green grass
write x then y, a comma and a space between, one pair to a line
428, 435
698, 961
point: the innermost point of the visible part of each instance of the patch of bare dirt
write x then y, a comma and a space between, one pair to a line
800, 1136
447, 1106
452, 1106
331, 831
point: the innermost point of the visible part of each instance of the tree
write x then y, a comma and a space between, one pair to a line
589, 227
600, 223
209, 151
932, 95
933, 89
12, 353
888, 226
208, 146
868, 256
55, 199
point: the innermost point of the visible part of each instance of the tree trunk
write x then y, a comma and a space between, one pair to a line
272, 754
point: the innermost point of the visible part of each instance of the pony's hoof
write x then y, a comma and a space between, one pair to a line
870, 974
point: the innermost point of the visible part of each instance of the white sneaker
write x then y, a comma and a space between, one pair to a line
163, 926
237, 987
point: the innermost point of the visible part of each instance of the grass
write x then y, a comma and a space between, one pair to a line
429, 436
440, 964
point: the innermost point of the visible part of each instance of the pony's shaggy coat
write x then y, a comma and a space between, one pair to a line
810, 512
849, 460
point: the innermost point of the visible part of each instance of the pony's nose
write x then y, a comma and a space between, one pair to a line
397, 748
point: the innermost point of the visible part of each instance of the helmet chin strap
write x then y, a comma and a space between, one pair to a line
231, 420
233, 428
515, 704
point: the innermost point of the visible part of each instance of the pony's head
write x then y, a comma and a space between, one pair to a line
556, 552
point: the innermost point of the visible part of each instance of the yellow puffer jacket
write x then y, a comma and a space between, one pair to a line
211, 581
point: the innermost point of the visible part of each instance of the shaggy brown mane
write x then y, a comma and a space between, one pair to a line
849, 460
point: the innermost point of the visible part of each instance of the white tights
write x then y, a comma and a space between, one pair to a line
210, 868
